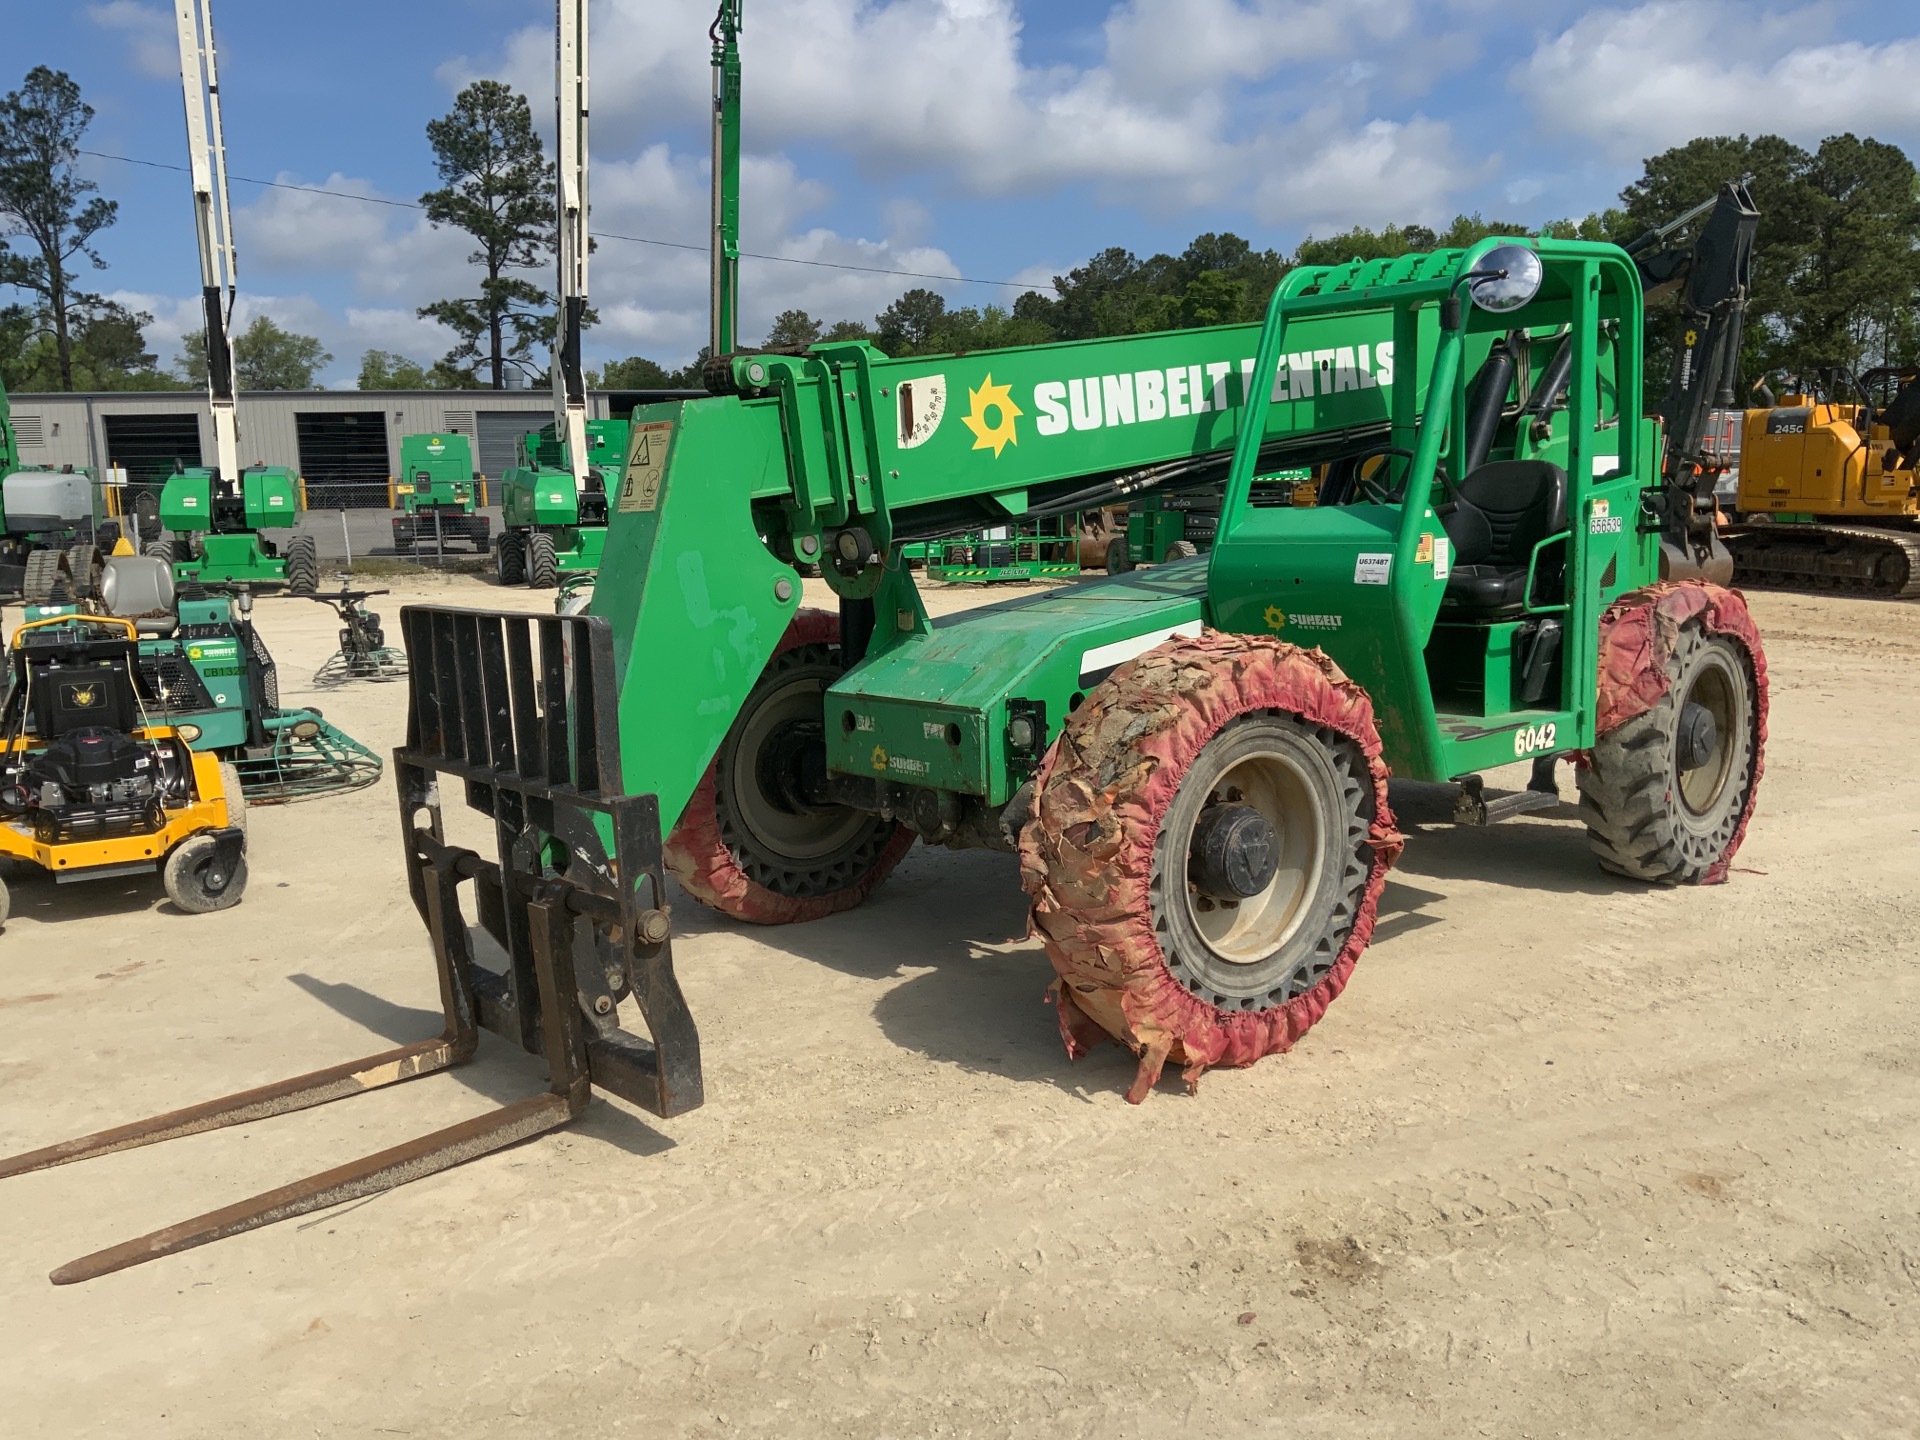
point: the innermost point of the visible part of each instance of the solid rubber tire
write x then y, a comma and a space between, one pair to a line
1629, 792
1088, 855
183, 882
543, 570
698, 855
303, 566
235, 794
510, 560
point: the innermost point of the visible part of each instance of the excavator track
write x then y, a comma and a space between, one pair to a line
1858, 558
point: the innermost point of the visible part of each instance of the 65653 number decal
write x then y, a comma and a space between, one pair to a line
1532, 739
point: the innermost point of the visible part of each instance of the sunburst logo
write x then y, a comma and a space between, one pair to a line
997, 436
879, 758
1276, 619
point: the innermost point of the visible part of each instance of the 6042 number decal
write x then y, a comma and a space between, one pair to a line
1532, 739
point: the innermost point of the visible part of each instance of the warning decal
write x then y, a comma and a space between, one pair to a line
646, 466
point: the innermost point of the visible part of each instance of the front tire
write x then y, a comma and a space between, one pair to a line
303, 566
1209, 840
745, 852
510, 561
1667, 791
1119, 557
196, 884
543, 565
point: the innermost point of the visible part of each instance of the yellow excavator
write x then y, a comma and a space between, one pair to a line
1828, 497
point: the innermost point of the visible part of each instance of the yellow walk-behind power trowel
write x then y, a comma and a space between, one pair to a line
91, 789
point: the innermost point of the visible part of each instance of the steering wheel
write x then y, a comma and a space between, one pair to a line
1373, 489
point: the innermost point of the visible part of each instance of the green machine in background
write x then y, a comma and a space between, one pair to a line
221, 532
53, 534
551, 525
438, 494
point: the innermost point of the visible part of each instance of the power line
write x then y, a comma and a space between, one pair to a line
597, 234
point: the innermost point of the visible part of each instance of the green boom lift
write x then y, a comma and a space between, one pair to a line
438, 495
223, 517
1190, 761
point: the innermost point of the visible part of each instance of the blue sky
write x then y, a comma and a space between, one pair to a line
1000, 140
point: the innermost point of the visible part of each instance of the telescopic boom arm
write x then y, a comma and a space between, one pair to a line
213, 221
569, 385
724, 338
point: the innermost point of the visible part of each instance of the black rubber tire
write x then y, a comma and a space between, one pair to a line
192, 884
106, 535
1119, 558
42, 577
82, 567
1640, 820
543, 569
303, 566
160, 550
1181, 550
236, 795
510, 560
6, 904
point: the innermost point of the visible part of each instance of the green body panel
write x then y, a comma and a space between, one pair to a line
266, 498
697, 592
236, 559
436, 473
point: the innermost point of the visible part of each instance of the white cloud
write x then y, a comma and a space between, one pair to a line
1638, 80
941, 88
150, 34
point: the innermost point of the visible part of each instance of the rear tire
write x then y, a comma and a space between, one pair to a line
746, 854
195, 885
543, 567
235, 794
41, 578
1119, 558
1181, 550
1666, 795
303, 566
1152, 944
510, 560
160, 550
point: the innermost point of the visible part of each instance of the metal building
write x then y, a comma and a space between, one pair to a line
328, 437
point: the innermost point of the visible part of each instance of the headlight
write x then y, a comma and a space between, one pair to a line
188, 733
306, 729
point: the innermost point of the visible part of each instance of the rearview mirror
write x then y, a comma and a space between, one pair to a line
1506, 278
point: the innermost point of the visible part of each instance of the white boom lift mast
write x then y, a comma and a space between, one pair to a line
213, 222
569, 388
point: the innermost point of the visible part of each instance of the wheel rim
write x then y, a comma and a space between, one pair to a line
1719, 690
1246, 931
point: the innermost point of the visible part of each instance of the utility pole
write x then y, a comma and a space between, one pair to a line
213, 222
725, 34
569, 385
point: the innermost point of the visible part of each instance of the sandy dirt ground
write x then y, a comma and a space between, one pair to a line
1570, 1157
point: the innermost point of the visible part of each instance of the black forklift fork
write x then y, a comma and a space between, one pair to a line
519, 709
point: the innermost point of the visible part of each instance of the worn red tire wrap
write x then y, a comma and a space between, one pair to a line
697, 854
1086, 856
1637, 636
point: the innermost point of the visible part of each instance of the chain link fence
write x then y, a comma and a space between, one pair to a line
349, 521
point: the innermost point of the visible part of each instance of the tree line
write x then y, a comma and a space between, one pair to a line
1836, 268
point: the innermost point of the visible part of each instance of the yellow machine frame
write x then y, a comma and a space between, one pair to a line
208, 810
1808, 457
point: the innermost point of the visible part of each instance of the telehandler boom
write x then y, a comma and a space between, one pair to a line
1191, 762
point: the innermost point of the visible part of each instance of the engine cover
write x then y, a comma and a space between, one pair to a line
93, 763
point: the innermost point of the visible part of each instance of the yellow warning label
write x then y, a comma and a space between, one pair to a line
1424, 555
646, 466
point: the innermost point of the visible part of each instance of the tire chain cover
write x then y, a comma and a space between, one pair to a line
1086, 856
698, 853
1638, 634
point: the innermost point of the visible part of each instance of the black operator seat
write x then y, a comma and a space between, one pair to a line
1493, 519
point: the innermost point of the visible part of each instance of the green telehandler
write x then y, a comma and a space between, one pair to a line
1191, 762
